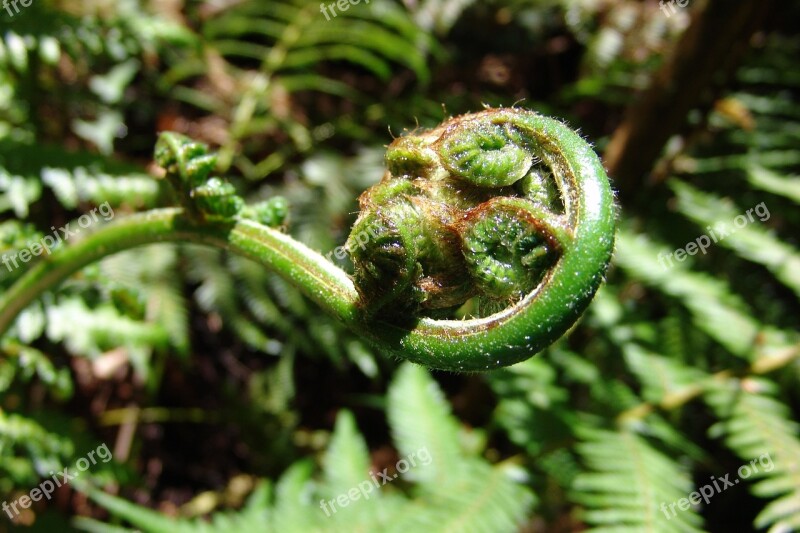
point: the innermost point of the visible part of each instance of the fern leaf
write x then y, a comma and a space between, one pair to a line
759, 429
659, 375
476, 499
750, 241
26, 362
716, 310
295, 507
90, 331
346, 461
629, 485
22, 437
453, 492
465, 494
773, 182
533, 407
419, 417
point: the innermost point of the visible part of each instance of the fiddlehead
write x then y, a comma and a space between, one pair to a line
504, 216
188, 165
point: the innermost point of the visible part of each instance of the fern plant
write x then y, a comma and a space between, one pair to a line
609, 427
257, 58
535, 277
554, 210
444, 486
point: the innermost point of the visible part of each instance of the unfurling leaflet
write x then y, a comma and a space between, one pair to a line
489, 236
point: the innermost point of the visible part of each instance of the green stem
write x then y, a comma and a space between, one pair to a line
321, 281
676, 399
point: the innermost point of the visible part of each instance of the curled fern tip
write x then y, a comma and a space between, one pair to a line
493, 231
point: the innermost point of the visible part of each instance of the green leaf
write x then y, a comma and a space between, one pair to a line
628, 485
346, 460
760, 430
715, 308
420, 419
750, 239
774, 182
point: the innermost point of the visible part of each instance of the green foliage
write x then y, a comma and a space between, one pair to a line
602, 427
705, 327
750, 241
447, 488
625, 482
266, 54
22, 437
756, 425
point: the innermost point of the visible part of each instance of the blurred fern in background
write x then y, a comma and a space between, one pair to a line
230, 403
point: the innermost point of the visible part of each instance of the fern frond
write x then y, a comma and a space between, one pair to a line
18, 193
466, 494
346, 460
629, 484
90, 331
28, 450
369, 35
751, 241
472, 497
419, 417
80, 184
715, 308
533, 407
775, 183
476, 499
24, 362
298, 509
758, 427
660, 376
150, 275
767, 158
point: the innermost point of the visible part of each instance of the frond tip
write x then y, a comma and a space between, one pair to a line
503, 214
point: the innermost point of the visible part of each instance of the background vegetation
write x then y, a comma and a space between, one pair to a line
230, 403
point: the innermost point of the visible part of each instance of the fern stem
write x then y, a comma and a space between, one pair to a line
677, 399
321, 281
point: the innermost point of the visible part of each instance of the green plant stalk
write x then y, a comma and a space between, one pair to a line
321, 281
216, 218
679, 398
